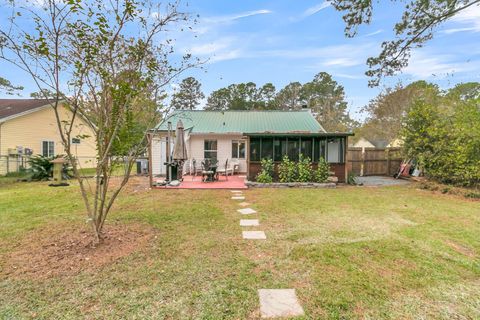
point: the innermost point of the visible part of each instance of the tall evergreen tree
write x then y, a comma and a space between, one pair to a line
189, 95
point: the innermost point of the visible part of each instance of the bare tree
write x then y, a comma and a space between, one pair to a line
107, 62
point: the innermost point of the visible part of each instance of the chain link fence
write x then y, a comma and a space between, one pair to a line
10, 164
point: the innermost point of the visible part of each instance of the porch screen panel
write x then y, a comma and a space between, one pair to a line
293, 148
320, 149
279, 148
306, 147
267, 148
254, 149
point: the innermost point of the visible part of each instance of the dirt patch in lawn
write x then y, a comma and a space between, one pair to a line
67, 250
462, 249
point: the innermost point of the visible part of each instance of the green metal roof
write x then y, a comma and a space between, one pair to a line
201, 121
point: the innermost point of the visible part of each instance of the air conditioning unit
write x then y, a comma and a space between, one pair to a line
19, 150
28, 152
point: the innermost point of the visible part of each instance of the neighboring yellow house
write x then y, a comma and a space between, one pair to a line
29, 127
363, 143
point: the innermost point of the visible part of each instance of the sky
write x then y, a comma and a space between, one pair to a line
281, 41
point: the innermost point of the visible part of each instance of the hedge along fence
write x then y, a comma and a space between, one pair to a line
294, 172
312, 185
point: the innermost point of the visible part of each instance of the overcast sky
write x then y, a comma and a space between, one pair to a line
281, 41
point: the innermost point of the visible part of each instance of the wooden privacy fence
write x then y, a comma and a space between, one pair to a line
374, 161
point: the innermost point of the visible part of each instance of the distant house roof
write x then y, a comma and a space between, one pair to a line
244, 122
10, 108
364, 142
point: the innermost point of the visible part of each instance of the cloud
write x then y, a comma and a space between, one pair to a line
348, 76
373, 33
316, 9
233, 17
206, 24
425, 65
343, 62
468, 19
348, 52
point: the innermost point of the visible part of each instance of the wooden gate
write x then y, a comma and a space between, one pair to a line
374, 161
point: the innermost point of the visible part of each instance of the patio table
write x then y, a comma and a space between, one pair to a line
213, 169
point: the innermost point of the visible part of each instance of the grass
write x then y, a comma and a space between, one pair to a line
352, 252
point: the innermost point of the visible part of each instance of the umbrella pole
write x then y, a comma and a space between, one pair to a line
169, 155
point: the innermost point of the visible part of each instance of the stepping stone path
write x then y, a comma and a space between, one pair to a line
254, 235
246, 211
279, 303
274, 303
249, 222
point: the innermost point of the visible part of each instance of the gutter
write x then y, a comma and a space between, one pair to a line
297, 134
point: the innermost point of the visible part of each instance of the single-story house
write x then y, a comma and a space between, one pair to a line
29, 127
246, 137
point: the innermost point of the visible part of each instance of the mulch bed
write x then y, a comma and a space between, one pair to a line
66, 250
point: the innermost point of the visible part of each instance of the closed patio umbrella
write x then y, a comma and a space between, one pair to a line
179, 149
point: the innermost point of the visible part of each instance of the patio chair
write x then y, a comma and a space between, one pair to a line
196, 168
225, 170
206, 172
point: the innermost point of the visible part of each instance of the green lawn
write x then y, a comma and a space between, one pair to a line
351, 253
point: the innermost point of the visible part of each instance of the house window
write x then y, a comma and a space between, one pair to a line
75, 141
48, 148
210, 149
238, 149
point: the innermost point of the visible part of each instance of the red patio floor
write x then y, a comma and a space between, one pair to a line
195, 182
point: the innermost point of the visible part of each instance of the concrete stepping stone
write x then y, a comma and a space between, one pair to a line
238, 198
246, 211
236, 191
254, 235
244, 204
279, 303
249, 222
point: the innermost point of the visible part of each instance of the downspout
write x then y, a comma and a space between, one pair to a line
1, 138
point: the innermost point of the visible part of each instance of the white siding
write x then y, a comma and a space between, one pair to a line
195, 144
224, 148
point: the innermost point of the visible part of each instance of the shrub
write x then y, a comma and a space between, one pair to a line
41, 167
444, 138
351, 179
287, 170
323, 171
266, 175
304, 169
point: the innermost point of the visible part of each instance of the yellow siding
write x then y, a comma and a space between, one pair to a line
28, 131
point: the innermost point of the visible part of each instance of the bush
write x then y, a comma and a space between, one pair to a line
287, 170
444, 138
304, 169
41, 167
266, 175
352, 179
323, 171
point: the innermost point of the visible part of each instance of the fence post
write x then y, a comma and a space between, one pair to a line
387, 151
362, 163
